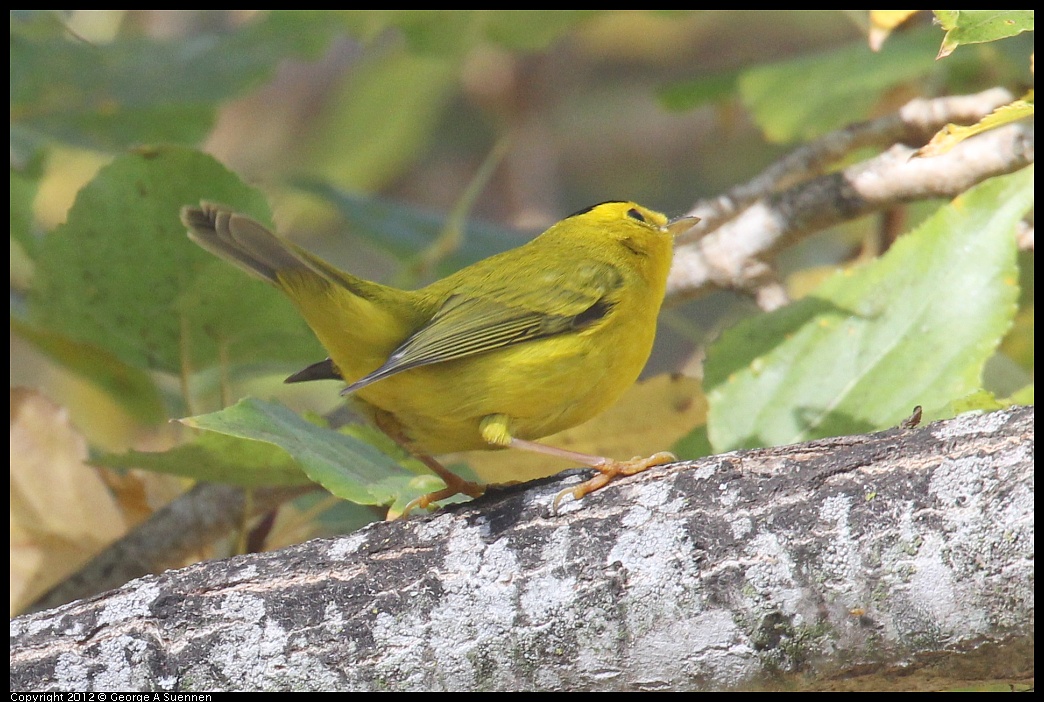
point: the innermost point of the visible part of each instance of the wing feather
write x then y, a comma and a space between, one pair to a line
467, 325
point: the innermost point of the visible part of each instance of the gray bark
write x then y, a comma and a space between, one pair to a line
884, 554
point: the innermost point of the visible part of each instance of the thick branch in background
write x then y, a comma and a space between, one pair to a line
897, 556
175, 532
794, 198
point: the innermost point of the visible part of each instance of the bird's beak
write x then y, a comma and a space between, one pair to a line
681, 225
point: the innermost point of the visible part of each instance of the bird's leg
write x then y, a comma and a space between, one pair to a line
495, 429
455, 485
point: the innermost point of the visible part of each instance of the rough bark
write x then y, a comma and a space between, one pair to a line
894, 554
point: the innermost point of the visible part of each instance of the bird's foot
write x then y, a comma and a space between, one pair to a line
454, 486
611, 470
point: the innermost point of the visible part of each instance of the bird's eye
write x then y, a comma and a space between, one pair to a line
635, 214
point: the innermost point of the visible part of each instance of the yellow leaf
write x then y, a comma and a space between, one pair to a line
882, 22
61, 512
953, 134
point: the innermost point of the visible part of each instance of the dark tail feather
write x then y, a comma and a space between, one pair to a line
323, 370
240, 240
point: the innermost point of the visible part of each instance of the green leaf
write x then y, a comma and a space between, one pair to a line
978, 401
120, 274
135, 90
455, 32
533, 30
912, 328
690, 94
381, 118
351, 469
436, 32
1019, 345
695, 444
979, 26
216, 458
802, 98
439, 32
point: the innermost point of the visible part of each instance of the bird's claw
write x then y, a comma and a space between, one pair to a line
609, 471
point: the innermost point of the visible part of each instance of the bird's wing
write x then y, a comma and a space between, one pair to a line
469, 324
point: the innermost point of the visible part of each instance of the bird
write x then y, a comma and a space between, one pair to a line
499, 354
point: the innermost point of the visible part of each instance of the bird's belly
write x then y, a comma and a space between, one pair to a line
544, 386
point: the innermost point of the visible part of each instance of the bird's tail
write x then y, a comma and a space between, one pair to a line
358, 321
252, 247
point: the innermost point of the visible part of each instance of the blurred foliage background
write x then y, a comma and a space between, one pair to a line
400, 145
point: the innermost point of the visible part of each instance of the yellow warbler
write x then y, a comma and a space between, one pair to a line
508, 350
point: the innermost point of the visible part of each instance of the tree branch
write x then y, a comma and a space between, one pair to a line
864, 554
175, 532
795, 197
